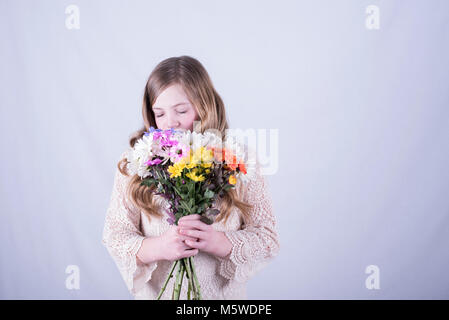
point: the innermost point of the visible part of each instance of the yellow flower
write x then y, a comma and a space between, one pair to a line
207, 155
177, 168
192, 163
192, 175
190, 160
232, 180
175, 172
203, 156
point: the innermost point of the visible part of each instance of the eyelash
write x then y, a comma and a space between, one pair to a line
158, 116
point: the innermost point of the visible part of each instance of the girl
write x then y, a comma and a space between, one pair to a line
179, 94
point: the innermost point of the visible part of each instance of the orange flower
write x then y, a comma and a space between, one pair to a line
230, 159
232, 180
242, 167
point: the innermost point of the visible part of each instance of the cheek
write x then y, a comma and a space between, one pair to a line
188, 119
159, 122
194, 116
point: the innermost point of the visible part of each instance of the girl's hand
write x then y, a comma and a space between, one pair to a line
171, 245
209, 240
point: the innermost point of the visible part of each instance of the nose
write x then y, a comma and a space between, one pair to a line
173, 123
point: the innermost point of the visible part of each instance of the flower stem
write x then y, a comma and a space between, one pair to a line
176, 285
182, 277
188, 290
166, 280
190, 276
197, 283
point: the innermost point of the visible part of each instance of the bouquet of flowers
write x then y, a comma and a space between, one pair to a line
190, 170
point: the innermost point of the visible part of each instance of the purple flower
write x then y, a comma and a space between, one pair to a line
153, 162
151, 129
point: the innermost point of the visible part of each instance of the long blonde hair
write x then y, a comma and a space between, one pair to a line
190, 74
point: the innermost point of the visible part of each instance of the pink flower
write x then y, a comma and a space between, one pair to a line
153, 162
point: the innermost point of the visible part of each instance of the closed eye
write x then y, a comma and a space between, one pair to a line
160, 115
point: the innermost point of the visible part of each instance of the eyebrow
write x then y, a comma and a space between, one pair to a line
178, 104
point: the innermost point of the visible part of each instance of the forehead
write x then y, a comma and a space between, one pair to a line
171, 97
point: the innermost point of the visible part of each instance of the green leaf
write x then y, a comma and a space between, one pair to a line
208, 194
183, 204
228, 186
177, 191
148, 182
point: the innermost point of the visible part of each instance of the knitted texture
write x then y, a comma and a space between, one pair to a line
254, 245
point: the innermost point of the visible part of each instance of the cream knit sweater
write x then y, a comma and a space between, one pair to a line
254, 244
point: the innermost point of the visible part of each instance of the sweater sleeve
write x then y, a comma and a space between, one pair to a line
122, 236
254, 246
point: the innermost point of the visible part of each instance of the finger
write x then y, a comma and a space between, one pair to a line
190, 217
189, 253
194, 233
184, 238
196, 244
195, 224
185, 246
